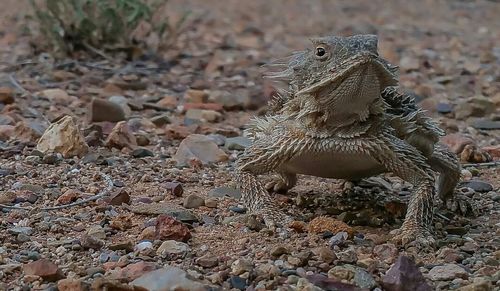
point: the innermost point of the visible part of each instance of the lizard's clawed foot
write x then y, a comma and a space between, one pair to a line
418, 237
278, 185
462, 205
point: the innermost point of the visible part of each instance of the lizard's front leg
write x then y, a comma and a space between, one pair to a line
409, 164
261, 157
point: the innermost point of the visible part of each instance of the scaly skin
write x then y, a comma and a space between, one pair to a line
343, 117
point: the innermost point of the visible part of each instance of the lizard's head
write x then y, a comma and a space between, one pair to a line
337, 72
336, 60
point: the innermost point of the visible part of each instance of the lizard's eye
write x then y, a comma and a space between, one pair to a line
321, 53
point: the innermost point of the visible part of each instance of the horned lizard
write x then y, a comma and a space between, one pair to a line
343, 117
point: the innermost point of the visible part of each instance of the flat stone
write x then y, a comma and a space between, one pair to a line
168, 278
486, 124
43, 268
237, 143
220, 192
478, 186
193, 201
142, 153
104, 110
447, 272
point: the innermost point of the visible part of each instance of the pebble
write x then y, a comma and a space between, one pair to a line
198, 147
172, 249
239, 143
143, 246
478, 186
238, 282
238, 209
142, 153
168, 278
220, 192
241, 266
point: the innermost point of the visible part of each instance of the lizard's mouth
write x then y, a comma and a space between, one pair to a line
362, 64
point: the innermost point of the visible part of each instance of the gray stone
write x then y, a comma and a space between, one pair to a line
225, 191
21, 230
478, 185
193, 201
179, 213
486, 124
199, 147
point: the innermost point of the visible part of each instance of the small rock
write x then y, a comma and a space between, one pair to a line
238, 283
386, 252
193, 201
7, 197
207, 261
204, 115
353, 274
174, 188
172, 249
133, 271
404, 275
348, 256
198, 147
143, 246
43, 268
119, 197
103, 110
6, 95
196, 96
26, 230
338, 239
69, 196
493, 151
96, 231
121, 137
168, 278
63, 137
321, 224
161, 120
142, 153
279, 250
89, 242
168, 228
325, 254
474, 107
444, 108
72, 284
241, 266
237, 143
447, 272
480, 285
211, 203
58, 96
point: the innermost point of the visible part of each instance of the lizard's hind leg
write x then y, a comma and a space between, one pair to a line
446, 164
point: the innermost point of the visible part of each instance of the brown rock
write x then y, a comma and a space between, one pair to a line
43, 268
6, 132
176, 131
6, 95
58, 96
174, 188
63, 137
72, 285
204, 115
103, 110
133, 271
168, 101
69, 196
322, 224
404, 275
196, 96
168, 227
27, 131
7, 197
494, 151
119, 197
206, 106
121, 137
148, 233
121, 222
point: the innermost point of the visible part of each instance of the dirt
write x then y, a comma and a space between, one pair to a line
448, 53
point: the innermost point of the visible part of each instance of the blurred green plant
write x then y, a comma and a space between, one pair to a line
70, 25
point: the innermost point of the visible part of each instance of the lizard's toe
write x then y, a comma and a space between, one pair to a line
462, 205
414, 237
277, 185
